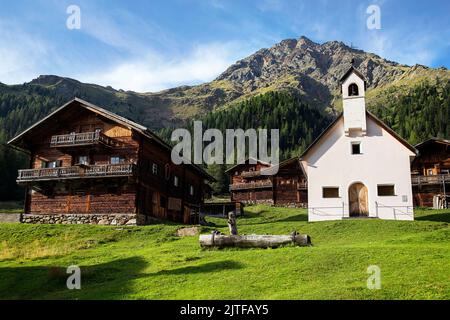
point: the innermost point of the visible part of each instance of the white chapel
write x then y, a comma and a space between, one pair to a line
358, 167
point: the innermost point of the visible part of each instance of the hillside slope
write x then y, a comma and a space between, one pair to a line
151, 262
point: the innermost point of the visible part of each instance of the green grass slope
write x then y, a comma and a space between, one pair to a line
152, 263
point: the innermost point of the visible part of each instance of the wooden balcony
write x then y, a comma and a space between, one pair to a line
250, 174
81, 139
430, 180
251, 185
76, 172
269, 171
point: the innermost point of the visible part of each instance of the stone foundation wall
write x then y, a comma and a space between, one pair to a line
268, 202
282, 205
292, 205
100, 219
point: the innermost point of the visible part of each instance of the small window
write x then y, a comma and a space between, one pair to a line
155, 168
353, 90
330, 192
191, 190
51, 164
83, 160
386, 190
430, 172
356, 148
176, 181
116, 160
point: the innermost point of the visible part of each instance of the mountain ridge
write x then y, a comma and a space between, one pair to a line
299, 66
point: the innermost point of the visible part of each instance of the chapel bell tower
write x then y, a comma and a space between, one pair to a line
353, 86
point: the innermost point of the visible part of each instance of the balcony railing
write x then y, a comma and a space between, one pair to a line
250, 174
77, 139
251, 185
108, 170
430, 180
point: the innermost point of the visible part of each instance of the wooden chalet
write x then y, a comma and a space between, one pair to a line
431, 174
256, 183
89, 165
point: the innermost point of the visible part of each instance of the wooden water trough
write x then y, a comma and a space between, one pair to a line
219, 240
253, 241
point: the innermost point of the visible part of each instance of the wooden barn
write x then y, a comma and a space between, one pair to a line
89, 165
253, 183
431, 173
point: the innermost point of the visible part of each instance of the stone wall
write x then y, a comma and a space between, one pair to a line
268, 202
281, 205
300, 205
100, 219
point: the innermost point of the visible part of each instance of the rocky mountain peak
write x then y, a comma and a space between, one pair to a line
305, 66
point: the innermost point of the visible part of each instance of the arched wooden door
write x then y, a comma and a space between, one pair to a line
358, 200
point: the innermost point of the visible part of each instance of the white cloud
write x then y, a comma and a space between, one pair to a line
154, 72
142, 68
123, 30
17, 64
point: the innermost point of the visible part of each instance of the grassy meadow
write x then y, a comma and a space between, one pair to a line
151, 262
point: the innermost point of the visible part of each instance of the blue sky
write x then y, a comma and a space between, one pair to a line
153, 45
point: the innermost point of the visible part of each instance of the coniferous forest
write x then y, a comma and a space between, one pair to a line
18, 110
298, 125
423, 112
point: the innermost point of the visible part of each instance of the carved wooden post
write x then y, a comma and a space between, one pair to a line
232, 223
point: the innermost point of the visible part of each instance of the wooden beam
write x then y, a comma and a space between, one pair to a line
253, 241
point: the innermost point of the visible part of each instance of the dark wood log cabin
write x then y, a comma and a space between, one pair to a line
288, 187
431, 173
88, 165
